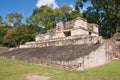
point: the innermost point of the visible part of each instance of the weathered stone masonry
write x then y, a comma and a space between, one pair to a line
74, 45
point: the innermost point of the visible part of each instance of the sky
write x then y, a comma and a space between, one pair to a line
25, 7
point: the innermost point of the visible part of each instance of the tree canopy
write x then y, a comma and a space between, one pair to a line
105, 13
46, 17
14, 19
1, 19
16, 36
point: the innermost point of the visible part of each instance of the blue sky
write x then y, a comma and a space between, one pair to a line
25, 7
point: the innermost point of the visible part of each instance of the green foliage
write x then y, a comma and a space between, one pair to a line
69, 14
1, 19
29, 21
19, 35
77, 5
16, 70
42, 17
14, 19
119, 29
3, 31
18, 17
40, 21
10, 38
66, 8
105, 13
10, 19
74, 14
46, 18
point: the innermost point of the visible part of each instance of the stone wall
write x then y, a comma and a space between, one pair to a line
74, 57
95, 58
113, 48
79, 32
76, 40
78, 26
79, 22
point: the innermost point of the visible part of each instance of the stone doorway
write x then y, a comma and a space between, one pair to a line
67, 33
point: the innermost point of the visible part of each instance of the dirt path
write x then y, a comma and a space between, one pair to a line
37, 77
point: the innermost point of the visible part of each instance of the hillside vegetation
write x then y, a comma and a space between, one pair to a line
16, 70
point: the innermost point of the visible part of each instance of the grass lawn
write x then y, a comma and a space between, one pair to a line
17, 70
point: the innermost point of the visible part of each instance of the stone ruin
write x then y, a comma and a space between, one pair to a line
73, 32
74, 45
113, 46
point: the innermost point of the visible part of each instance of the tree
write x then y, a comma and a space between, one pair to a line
77, 5
18, 17
59, 15
74, 14
14, 19
65, 13
1, 19
42, 17
10, 38
10, 19
29, 21
46, 17
117, 12
105, 14
3, 31
16, 36
67, 10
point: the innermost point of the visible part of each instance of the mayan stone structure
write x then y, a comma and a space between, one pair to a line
73, 32
74, 45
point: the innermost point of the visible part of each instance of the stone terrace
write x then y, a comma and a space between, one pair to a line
50, 55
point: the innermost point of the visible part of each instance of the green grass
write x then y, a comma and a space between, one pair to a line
17, 70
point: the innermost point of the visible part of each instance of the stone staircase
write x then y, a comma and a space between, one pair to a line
53, 53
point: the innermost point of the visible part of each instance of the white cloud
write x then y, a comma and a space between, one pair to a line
50, 3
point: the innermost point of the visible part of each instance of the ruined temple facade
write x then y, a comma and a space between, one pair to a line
77, 27
74, 32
